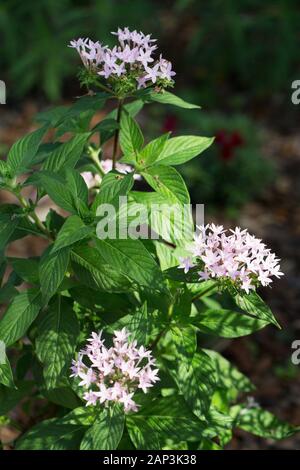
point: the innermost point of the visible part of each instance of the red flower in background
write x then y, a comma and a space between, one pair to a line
170, 123
228, 142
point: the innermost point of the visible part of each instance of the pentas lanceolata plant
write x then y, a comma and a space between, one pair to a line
107, 337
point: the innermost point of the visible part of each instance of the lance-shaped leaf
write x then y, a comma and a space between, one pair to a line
6, 375
56, 341
166, 97
261, 422
83, 104
168, 182
59, 433
107, 430
131, 137
196, 381
163, 423
93, 271
51, 116
10, 397
71, 232
133, 259
139, 326
26, 268
8, 224
228, 376
20, 314
23, 151
67, 154
181, 149
253, 304
183, 339
69, 193
153, 150
52, 269
227, 324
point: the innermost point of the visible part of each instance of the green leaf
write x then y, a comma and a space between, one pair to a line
261, 423
95, 272
70, 193
71, 232
83, 104
254, 305
51, 116
172, 222
131, 137
139, 325
227, 324
76, 125
26, 268
67, 154
166, 97
62, 396
58, 433
8, 224
56, 188
132, 109
52, 269
133, 259
113, 185
181, 149
106, 432
228, 376
56, 341
6, 375
20, 314
24, 150
107, 128
196, 381
78, 188
167, 182
163, 423
185, 342
10, 397
152, 151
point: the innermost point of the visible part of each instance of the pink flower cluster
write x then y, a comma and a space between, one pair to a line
114, 374
239, 257
133, 54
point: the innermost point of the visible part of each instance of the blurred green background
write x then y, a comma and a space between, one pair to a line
237, 59
232, 53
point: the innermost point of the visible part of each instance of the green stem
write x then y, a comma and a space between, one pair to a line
116, 138
32, 215
94, 155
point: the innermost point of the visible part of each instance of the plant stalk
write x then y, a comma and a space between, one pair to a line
116, 138
32, 215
